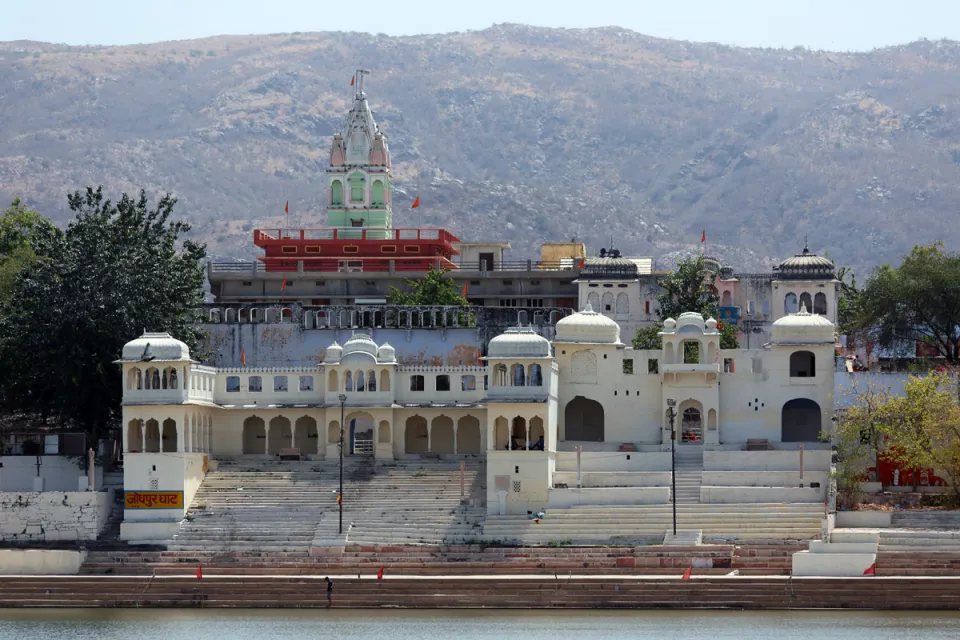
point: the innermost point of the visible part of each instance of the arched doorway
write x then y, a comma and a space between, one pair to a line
134, 437
152, 444
800, 421
360, 432
415, 435
691, 426
518, 433
441, 435
170, 439
501, 437
468, 435
254, 436
280, 435
583, 420
305, 436
536, 431
383, 432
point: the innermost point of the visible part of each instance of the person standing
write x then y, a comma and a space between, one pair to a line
329, 591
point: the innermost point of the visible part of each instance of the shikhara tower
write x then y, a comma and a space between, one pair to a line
360, 182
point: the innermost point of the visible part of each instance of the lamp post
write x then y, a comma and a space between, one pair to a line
671, 403
343, 401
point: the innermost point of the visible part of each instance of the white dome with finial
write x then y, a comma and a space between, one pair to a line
386, 354
519, 342
803, 328
155, 346
334, 353
588, 326
360, 344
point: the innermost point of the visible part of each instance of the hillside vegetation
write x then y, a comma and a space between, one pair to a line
511, 133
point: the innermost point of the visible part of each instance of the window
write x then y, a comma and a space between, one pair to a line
306, 383
280, 383
534, 283
357, 224
356, 187
806, 302
512, 302
486, 383
388, 248
790, 303
646, 306
474, 283
516, 486
802, 364
376, 194
336, 193
468, 383
443, 383
233, 384
371, 381
320, 283
360, 381
416, 383
728, 365
519, 376
691, 352
411, 248
508, 283
351, 248
247, 283
751, 308
536, 375
255, 384
820, 304
288, 249
348, 381
628, 366
653, 365
311, 249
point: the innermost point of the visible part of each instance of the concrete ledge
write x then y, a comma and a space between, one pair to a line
813, 460
854, 536
832, 565
819, 546
592, 479
763, 478
40, 562
563, 498
728, 495
864, 519
148, 531
614, 461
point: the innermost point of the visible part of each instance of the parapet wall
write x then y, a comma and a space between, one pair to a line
53, 515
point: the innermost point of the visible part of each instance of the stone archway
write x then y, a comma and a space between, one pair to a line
152, 444
305, 436
441, 435
281, 435
134, 437
518, 433
170, 440
359, 432
501, 435
800, 421
415, 435
383, 432
536, 431
254, 436
583, 420
691, 425
468, 435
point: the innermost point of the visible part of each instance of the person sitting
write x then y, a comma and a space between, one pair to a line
538, 445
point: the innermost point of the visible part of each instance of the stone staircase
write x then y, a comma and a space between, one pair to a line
683, 538
926, 519
689, 474
255, 505
609, 524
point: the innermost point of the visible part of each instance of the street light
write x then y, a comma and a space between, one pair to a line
343, 401
671, 403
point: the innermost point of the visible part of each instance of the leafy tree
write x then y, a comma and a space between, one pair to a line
435, 288
917, 301
928, 434
689, 288
18, 226
117, 269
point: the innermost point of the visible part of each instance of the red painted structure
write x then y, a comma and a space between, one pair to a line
356, 249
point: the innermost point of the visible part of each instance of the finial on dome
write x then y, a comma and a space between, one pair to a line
806, 245
804, 311
588, 308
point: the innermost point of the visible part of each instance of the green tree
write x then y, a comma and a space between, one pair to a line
928, 433
18, 226
689, 288
117, 269
917, 301
435, 288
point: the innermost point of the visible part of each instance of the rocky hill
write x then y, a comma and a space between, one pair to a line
515, 133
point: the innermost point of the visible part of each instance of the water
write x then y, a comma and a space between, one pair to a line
183, 624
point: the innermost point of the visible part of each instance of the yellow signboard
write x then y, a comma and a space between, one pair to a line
153, 499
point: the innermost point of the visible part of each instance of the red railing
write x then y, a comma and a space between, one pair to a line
356, 233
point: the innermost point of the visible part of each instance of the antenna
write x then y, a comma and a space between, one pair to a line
359, 76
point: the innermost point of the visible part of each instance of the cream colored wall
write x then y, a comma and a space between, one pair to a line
193, 476
780, 289
530, 468
168, 469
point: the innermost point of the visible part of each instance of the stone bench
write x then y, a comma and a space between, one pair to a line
290, 454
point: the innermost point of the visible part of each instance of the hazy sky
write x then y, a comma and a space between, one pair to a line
820, 24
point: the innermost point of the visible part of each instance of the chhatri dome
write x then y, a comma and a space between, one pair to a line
805, 266
162, 347
588, 326
803, 328
519, 342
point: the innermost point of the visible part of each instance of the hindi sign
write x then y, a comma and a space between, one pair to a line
153, 499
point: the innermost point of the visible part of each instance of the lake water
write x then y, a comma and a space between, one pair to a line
183, 624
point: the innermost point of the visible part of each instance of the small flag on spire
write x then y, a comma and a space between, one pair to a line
416, 203
703, 236
353, 79
284, 285
286, 207
243, 358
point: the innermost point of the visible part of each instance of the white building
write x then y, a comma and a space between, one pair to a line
527, 409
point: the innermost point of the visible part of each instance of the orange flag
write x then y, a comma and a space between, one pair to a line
339, 498
416, 203
286, 207
686, 574
199, 573
380, 574
582, 262
284, 285
703, 236
871, 570
479, 358
352, 80
243, 358
464, 290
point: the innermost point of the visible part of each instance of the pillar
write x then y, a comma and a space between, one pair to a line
266, 440
143, 436
188, 437
182, 430
293, 431
527, 426
455, 438
429, 434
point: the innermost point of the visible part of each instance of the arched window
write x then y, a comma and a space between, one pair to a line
348, 381
255, 384
371, 381
607, 303
376, 193
384, 380
500, 376
519, 376
623, 303
155, 378
820, 304
593, 299
173, 378
726, 300
356, 187
806, 302
336, 193
164, 379
536, 376
790, 303
803, 364
332, 383
360, 381
134, 378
